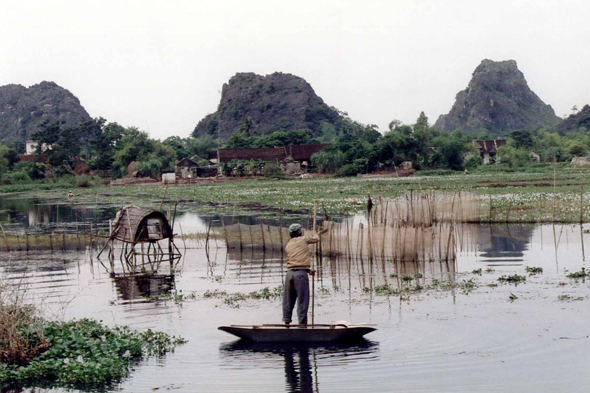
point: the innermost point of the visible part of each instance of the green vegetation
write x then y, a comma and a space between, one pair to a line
512, 297
175, 296
234, 299
513, 279
386, 290
532, 270
581, 274
515, 197
466, 287
568, 298
80, 353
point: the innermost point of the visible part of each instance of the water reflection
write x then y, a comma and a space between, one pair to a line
33, 214
131, 287
505, 241
302, 363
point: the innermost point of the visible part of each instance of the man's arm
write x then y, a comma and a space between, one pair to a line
315, 237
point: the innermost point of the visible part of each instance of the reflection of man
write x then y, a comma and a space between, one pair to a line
302, 381
298, 267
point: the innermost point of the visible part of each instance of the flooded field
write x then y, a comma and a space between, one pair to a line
445, 325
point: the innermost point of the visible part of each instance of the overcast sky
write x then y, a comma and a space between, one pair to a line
160, 65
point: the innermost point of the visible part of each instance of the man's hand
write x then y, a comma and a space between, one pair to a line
326, 226
311, 272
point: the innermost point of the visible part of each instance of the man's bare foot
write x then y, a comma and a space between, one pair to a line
287, 324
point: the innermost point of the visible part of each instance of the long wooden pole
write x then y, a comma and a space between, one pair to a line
315, 211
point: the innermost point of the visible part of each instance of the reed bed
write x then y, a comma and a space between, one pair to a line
413, 227
395, 241
427, 208
59, 241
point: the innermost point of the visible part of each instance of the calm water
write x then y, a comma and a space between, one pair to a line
443, 341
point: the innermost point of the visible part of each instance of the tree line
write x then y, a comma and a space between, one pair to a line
354, 148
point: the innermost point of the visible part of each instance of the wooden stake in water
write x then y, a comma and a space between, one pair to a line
315, 211
582, 221
5, 239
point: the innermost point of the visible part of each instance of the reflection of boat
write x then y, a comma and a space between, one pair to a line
299, 333
138, 286
302, 362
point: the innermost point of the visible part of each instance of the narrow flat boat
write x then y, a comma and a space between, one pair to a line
299, 333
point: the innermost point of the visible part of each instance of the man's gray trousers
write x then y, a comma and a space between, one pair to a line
296, 288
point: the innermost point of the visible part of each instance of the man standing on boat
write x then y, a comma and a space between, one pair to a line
298, 269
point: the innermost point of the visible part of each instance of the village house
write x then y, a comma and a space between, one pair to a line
489, 149
31, 147
186, 168
292, 159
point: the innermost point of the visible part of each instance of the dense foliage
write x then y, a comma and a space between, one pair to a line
354, 148
84, 352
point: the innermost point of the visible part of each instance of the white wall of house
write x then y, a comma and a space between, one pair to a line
169, 178
30, 147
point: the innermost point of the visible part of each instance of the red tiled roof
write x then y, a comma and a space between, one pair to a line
298, 152
491, 146
32, 158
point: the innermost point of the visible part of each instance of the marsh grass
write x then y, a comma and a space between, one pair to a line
21, 329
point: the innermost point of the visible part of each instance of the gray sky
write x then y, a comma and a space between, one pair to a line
160, 65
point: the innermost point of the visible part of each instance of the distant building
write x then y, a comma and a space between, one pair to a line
489, 149
534, 157
186, 168
292, 159
31, 147
168, 177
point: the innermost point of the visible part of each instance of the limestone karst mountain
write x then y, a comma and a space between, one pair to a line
498, 99
22, 109
575, 121
276, 102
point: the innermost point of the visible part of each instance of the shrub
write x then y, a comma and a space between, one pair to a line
348, 170
20, 177
82, 181
438, 172
85, 352
473, 162
273, 171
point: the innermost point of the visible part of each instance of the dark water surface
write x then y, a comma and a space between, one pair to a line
431, 341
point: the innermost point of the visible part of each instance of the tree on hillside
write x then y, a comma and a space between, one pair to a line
394, 124
421, 125
135, 145
523, 139
104, 143
47, 135
285, 138
451, 151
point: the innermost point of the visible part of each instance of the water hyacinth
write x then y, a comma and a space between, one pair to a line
102, 354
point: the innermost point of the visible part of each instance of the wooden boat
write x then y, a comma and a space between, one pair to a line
299, 333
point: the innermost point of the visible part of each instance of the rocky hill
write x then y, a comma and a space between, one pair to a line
22, 109
499, 99
276, 102
575, 121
